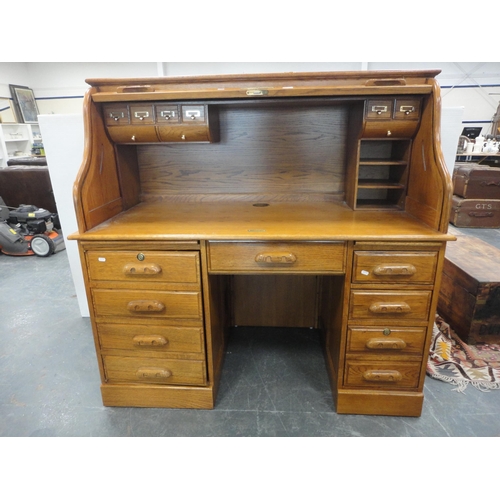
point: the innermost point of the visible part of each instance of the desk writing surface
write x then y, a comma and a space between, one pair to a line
243, 221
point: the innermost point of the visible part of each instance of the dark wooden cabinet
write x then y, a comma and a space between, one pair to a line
313, 199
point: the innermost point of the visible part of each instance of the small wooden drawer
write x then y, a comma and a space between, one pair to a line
390, 129
166, 267
275, 257
130, 134
394, 267
154, 370
142, 304
189, 132
379, 109
147, 339
167, 113
141, 114
388, 340
407, 109
193, 113
385, 375
116, 114
381, 305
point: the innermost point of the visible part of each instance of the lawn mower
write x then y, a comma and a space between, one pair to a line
29, 230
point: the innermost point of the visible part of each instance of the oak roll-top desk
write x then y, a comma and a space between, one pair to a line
314, 200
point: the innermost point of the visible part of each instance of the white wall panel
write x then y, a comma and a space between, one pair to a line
63, 141
60, 106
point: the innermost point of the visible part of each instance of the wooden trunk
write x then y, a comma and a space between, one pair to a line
471, 180
475, 212
469, 298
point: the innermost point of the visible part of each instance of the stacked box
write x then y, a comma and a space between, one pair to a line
476, 196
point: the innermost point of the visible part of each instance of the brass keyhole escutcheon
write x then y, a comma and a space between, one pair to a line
141, 256
387, 331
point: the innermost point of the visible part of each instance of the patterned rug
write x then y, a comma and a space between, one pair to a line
452, 360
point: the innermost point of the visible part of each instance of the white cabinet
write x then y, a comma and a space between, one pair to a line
16, 139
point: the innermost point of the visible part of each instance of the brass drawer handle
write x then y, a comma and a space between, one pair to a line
407, 109
275, 258
395, 270
382, 376
145, 306
142, 269
390, 308
153, 373
386, 344
150, 341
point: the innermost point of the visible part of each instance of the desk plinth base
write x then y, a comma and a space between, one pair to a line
142, 396
397, 404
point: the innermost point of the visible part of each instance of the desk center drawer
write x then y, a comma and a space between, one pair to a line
276, 257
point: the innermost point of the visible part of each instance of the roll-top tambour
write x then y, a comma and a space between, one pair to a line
394, 267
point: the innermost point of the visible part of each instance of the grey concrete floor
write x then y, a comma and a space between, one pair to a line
274, 382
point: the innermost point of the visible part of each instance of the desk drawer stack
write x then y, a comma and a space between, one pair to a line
476, 196
148, 316
391, 293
